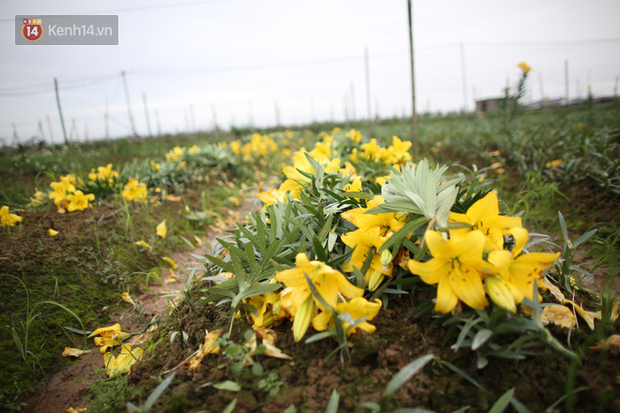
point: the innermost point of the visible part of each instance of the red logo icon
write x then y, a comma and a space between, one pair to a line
32, 29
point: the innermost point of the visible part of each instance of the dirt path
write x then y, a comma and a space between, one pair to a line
69, 387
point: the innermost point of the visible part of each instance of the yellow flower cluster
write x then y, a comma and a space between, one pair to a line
259, 146
460, 271
103, 174
395, 154
66, 197
135, 191
108, 338
304, 308
7, 219
373, 230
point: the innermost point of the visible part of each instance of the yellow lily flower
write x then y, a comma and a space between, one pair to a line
520, 272
103, 173
354, 186
121, 364
264, 304
524, 67
110, 329
78, 201
161, 229
456, 267
357, 308
52, 232
297, 299
484, 216
109, 337
272, 196
8, 220
134, 190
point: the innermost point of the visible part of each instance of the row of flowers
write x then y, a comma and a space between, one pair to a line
387, 220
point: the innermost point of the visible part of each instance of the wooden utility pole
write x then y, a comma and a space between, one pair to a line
15, 136
277, 110
62, 120
312, 111
131, 122
215, 127
353, 114
49, 126
251, 118
414, 117
566, 80
158, 123
192, 117
106, 118
74, 129
146, 112
368, 92
41, 135
465, 99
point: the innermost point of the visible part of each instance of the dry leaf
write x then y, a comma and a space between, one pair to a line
558, 314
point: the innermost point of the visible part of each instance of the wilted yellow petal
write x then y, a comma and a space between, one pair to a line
170, 261
121, 364
143, 244
171, 278
52, 232
127, 299
72, 410
74, 352
161, 229
198, 241
554, 290
588, 316
558, 314
209, 347
114, 328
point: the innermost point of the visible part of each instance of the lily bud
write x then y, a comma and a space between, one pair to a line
303, 316
401, 216
374, 279
386, 257
500, 294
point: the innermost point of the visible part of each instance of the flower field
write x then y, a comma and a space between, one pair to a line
481, 276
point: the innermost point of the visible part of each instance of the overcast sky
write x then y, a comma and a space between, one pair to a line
241, 58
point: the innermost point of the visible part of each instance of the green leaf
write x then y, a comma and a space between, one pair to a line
77, 331
461, 373
334, 401
290, 409
500, 405
398, 236
406, 373
318, 337
481, 337
231, 407
161, 387
361, 195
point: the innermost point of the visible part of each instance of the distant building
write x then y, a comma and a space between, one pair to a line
485, 106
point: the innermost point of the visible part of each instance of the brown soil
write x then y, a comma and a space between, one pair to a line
69, 387
309, 379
